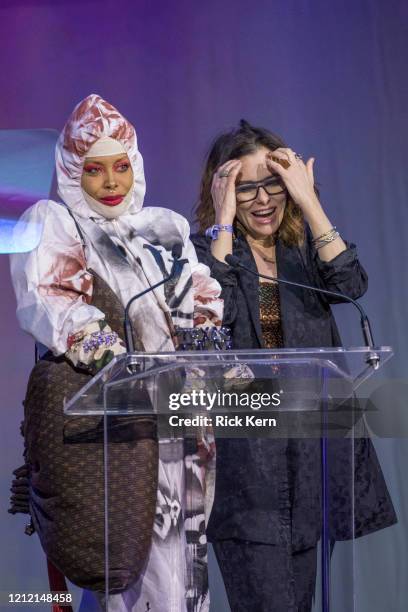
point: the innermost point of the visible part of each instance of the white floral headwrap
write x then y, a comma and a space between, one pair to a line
94, 119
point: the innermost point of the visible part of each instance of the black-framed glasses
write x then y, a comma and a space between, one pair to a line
246, 192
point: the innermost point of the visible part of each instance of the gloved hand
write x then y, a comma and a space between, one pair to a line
94, 346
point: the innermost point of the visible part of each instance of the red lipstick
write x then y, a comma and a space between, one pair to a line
111, 200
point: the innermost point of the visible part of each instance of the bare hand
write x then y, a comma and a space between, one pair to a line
223, 192
297, 176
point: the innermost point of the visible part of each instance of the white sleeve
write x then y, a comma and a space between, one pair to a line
52, 285
207, 301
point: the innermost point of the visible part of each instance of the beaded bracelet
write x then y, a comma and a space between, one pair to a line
213, 231
96, 340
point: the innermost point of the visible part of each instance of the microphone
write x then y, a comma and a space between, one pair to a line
175, 271
373, 359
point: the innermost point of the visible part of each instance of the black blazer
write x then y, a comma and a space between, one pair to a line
307, 320
269, 490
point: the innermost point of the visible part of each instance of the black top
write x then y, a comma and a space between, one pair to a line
270, 490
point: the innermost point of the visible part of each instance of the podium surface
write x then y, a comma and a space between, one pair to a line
286, 394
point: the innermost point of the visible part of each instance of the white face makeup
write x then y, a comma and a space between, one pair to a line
107, 179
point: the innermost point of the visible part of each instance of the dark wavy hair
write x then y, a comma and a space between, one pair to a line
236, 143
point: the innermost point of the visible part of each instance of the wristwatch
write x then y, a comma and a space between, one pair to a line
213, 231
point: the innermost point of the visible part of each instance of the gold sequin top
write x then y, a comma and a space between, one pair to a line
270, 315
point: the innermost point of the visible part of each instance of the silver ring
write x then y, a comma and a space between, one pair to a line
298, 156
223, 174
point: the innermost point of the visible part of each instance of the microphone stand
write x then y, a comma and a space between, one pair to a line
373, 358
130, 345
177, 267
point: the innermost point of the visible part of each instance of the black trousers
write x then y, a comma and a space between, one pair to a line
266, 578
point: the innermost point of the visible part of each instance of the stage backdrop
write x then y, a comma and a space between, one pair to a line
330, 77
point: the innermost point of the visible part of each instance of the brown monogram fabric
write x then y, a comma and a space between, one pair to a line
65, 460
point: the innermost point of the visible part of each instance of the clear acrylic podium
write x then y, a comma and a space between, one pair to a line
311, 395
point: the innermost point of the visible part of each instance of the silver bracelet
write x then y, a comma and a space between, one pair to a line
326, 240
322, 236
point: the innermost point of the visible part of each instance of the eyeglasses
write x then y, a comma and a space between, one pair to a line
272, 185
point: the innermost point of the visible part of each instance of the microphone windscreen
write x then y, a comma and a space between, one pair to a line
231, 260
176, 250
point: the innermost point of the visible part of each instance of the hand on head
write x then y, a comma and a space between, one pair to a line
223, 191
252, 175
297, 176
246, 189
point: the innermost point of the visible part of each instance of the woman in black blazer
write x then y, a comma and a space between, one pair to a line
258, 201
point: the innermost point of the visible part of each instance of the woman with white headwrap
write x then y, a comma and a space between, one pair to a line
100, 228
